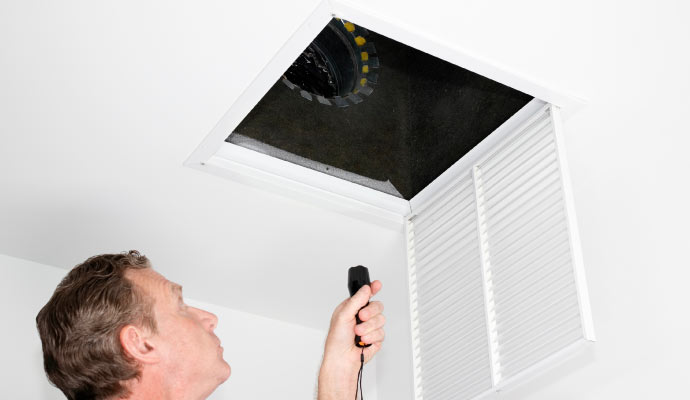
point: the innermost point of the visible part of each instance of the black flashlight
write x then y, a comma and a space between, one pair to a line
356, 278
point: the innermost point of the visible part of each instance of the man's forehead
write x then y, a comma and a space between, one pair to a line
150, 278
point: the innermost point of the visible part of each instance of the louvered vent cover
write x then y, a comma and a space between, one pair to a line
496, 285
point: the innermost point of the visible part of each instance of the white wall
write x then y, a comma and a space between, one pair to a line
269, 358
24, 288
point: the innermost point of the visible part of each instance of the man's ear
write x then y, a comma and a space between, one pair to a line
138, 345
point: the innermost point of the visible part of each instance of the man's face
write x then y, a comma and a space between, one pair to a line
190, 352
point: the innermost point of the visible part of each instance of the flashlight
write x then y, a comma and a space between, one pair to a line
356, 278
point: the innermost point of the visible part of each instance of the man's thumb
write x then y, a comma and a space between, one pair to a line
359, 300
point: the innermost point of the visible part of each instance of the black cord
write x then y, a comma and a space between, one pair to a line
359, 377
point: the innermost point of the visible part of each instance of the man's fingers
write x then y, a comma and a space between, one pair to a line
359, 300
374, 308
375, 287
375, 336
373, 324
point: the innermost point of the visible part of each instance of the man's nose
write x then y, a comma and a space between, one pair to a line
209, 319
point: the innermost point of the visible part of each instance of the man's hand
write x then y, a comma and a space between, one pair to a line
341, 358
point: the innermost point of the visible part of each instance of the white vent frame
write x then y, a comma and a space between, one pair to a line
218, 157
430, 195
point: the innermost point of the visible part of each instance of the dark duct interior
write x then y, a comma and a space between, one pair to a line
422, 116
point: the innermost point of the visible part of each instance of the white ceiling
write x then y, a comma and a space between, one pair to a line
102, 102
100, 105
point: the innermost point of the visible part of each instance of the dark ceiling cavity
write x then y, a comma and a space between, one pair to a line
424, 115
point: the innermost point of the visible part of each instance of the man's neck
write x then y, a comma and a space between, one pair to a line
162, 386
149, 386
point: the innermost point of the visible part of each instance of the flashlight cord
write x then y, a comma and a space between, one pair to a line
359, 377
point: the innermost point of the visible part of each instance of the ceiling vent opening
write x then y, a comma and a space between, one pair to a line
424, 114
359, 114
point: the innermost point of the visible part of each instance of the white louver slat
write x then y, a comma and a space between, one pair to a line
496, 281
450, 297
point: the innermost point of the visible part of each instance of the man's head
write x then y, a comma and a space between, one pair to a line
114, 323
